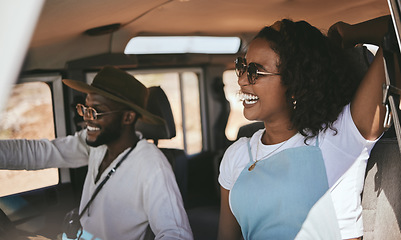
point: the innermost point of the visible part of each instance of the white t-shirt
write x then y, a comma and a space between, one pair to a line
345, 152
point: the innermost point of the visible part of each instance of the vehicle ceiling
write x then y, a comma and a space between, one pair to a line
59, 36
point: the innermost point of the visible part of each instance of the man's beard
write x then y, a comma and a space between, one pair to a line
108, 134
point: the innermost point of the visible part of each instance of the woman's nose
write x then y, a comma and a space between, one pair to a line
243, 80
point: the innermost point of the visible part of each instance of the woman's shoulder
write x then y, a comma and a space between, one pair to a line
343, 127
237, 154
235, 158
239, 144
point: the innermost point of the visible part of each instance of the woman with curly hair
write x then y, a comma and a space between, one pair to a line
301, 176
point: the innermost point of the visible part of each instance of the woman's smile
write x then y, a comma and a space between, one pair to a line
248, 98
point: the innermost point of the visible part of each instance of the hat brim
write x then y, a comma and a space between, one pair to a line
146, 116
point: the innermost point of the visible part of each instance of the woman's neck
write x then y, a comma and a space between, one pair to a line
276, 135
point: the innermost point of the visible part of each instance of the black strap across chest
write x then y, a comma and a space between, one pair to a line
99, 187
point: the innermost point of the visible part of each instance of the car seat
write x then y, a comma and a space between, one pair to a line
381, 196
159, 105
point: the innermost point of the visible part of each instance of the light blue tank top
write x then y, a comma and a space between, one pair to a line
273, 200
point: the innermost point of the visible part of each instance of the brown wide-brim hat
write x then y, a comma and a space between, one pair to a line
119, 86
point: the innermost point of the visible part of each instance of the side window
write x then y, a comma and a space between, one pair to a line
28, 114
182, 90
236, 118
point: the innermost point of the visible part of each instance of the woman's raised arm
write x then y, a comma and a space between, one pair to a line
367, 109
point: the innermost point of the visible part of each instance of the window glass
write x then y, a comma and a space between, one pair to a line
190, 92
170, 84
182, 90
372, 48
236, 118
183, 44
28, 114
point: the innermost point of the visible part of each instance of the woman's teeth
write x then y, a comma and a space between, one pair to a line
92, 128
248, 98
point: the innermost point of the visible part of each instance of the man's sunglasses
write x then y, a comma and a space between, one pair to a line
90, 113
252, 69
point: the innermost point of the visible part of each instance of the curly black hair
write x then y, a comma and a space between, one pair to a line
317, 74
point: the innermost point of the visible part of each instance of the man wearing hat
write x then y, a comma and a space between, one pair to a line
141, 192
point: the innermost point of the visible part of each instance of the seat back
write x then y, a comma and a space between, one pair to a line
381, 197
159, 105
249, 129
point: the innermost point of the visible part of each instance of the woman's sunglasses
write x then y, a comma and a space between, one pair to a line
252, 69
90, 113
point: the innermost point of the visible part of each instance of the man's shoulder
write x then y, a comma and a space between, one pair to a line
150, 159
150, 152
151, 148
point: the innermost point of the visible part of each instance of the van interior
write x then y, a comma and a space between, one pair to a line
184, 52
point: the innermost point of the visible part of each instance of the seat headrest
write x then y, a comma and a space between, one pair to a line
360, 57
159, 105
249, 129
